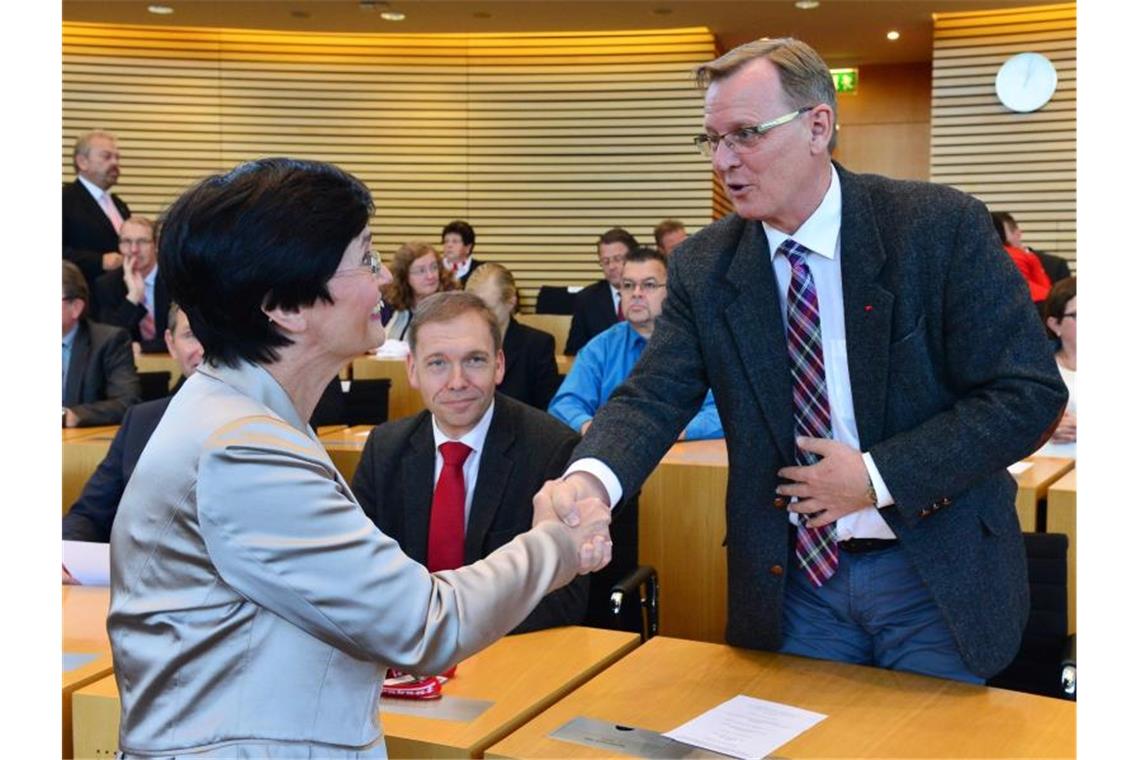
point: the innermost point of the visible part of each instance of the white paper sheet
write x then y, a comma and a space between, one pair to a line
89, 563
392, 349
746, 727
1019, 467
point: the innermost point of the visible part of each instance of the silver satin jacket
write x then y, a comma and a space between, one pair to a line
254, 607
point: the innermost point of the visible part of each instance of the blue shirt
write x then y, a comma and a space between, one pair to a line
600, 367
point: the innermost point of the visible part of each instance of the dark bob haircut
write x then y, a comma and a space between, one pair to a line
270, 233
461, 228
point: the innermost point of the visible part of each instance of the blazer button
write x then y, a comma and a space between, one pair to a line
780, 502
944, 501
776, 570
924, 512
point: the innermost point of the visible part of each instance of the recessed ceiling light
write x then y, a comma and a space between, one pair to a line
160, 10
892, 35
392, 16
807, 5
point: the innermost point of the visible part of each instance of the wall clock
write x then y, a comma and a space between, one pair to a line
1025, 82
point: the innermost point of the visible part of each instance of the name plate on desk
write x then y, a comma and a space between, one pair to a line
635, 742
459, 709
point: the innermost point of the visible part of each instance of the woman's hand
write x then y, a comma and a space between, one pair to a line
1066, 431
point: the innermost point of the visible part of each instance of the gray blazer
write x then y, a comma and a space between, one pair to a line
101, 377
254, 607
951, 377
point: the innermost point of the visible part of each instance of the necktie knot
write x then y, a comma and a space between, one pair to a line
796, 253
454, 453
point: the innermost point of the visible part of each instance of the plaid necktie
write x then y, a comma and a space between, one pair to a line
816, 549
445, 525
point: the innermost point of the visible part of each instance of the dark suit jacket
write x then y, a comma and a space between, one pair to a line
1056, 267
951, 377
475, 264
524, 448
593, 312
531, 374
113, 308
92, 514
101, 377
87, 232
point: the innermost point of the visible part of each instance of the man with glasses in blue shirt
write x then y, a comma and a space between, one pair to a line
607, 359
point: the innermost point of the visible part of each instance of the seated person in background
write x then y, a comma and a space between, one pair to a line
454, 482
606, 360
598, 306
134, 297
1061, 321
1056, 268
669, 234
90, 517
1028, 264
531, 374
458, 241
418, 271
99, 377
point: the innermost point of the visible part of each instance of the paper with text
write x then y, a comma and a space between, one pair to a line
746, 727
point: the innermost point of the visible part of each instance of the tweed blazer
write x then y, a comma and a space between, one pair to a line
254, 606
951, 377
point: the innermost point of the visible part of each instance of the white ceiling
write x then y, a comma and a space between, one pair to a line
845, 32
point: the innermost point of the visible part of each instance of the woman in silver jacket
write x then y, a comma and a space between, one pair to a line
254, 607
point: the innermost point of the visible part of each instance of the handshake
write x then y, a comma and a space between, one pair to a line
580, 502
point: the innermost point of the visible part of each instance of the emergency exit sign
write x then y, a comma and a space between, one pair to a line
846, 80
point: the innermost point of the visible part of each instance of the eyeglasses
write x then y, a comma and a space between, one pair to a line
647, 286
605, 261
128, 242
424, 270
746, 139
369, 259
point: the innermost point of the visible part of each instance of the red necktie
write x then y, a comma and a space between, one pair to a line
621, 316
146, 325
445, 527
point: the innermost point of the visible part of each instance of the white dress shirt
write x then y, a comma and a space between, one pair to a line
475, 438
462, 269
616, 296
820, 233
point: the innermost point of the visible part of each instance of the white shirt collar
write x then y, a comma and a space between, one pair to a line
96, 191
474, 437
820, 231
149, 279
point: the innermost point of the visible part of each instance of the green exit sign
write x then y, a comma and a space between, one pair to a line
846, 80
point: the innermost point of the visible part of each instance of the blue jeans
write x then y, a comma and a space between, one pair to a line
876, 611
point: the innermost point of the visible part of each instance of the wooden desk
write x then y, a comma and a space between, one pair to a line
82, 453
403, 399
1061, 517
521, 675
345, 446
1033, 484
84, 633
159, 363
557, 325
681, 528
871, 712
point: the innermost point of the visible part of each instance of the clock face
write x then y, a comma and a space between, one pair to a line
1025, 82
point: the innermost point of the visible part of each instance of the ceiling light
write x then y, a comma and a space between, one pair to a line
160, 10
892, 35
392, 16
807, 5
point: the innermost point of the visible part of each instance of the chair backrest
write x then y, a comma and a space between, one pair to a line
554, 299
366, 402
153, 385
557, 325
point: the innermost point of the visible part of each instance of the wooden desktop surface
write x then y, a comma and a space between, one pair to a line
520, 675
1033, 484
1061, 517
84, 632
345, 446
871, 712
681, 527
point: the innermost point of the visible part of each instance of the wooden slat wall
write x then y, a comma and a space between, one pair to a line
541, 141
1025, 164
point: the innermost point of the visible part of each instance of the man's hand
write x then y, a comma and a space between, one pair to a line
585, 426
591, 533
70, 419
562, 496
834, 486
1066, 431
133, 279
112, 259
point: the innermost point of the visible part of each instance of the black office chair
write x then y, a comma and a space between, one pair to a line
554, 299
154, 385
623, 595
366, 402
1046, 664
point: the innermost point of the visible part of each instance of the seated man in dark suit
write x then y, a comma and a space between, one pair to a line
92, 214
598, 306
454, 482
99, 377
134, 296
92, 514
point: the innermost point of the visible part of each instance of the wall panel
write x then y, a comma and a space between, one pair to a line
541, 141
1025, 164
